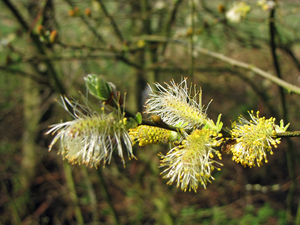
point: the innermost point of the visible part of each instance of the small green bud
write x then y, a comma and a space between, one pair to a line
98, 87
131, 123
138, 118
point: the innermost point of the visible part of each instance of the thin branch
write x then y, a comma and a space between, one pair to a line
272, 32
83, 46
235, 63
162, 125
14, 210
108, 196
291, 156
170, 23
44, 58
185, 70
192, 44
113, 23
262, 94
39, 58
93, 48
289, 134
73, 195
91, 193
97, 35
128, 62
37, 18
119, 54
37, 44
290, 52
225, 133
39, 80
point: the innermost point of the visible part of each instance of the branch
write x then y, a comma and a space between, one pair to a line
272, 31
39, 80
262, 94
44, 58
290, 52
113, 23
291, 156
87, 23
162, 125
170, 23
107, 196
119, 54
192, 43
289, 134
37, 43
289, 87
235, 63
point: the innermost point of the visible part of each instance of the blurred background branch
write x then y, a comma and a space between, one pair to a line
48, 46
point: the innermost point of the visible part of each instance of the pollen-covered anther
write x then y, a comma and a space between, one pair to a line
145, 135
191, 161
253, 139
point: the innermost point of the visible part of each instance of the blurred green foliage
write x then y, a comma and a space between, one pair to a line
91, 44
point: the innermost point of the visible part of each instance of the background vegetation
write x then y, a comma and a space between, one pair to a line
132, 43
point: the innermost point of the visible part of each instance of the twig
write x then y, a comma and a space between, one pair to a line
289, 87
39, 80
91, 193
38, 45
113, 23
108, 196
14, 211
128, 62
93, 48
262, 94
99, 37
37, 17
80, 47
169, 24
192, 44
289, 134
235, 63
290, 153
80, 57
73, 195
274, 57
39, 211
289, 51
162, 125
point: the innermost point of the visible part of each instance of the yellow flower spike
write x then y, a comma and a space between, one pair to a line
150, 135
192, 161
253, 139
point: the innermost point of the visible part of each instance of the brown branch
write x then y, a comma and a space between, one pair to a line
35, 78
170, 23
44, 58
37, 44
37, 17
234, 63
160, 125
113, 23
97, 35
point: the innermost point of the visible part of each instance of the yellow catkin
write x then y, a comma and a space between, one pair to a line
145, 135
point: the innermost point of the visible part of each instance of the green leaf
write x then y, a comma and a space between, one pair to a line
97, 87
138, 117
